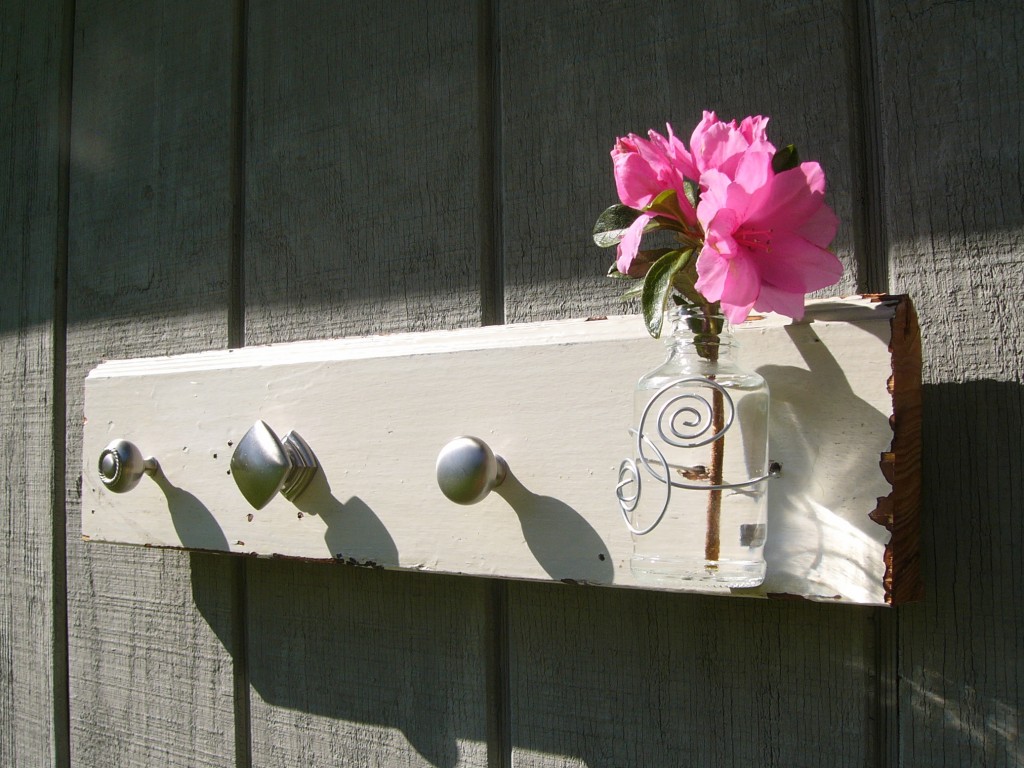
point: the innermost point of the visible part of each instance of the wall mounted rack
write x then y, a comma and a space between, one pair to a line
554, 401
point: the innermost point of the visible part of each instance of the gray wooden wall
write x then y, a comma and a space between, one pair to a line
187, 175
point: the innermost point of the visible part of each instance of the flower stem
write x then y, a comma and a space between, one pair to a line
713, 536
713, 533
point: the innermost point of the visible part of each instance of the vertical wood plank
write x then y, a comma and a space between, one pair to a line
355, 667
363, 169
151, 633
952, 139
575, 76
610, 677
362, 215
633, 678
33, 709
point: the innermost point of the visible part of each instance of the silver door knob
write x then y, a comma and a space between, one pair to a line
262, 465
468, 470
121, 466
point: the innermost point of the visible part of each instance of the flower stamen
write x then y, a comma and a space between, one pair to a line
754, 239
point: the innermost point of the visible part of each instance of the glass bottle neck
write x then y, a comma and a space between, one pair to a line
706, 336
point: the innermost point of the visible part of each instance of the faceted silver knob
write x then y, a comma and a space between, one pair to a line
121, 466
468, 470
262, 465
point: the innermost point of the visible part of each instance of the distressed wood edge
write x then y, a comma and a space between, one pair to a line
900, 511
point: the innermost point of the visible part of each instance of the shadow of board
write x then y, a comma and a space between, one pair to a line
375, 616
803, 530
324, 640
972, 486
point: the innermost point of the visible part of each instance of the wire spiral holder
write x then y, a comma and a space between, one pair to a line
683, 418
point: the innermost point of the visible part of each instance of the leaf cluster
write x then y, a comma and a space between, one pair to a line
666, 272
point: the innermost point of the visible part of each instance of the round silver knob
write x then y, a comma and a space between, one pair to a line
468, 470
121, 466
262, 465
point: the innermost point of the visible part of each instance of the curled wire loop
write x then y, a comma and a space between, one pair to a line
681, 419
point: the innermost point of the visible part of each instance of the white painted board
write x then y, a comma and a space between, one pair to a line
554, 399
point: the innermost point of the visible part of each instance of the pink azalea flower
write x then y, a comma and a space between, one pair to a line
719, 146
646, 168
766, 236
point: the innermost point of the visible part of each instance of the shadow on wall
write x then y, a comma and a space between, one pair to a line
402, 655
669, 670
400, 651
962, 648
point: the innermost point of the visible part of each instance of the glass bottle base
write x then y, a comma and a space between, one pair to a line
676, 572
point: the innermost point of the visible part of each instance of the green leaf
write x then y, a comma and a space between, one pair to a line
692, 192
666, 204
685, 283
658, 287
785, 159
613, 223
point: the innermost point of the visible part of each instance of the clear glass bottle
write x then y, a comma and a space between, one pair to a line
694, 493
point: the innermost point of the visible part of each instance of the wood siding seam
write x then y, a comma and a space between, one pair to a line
61, 694
236, 338
870, 237
240, 661
492, 261
885, 716
499, 702
236, 267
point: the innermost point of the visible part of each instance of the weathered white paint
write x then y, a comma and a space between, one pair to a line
554, 399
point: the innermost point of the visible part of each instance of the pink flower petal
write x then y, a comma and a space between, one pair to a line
720, 147
697, 137
772, 299
714, 187
680, 156
821, 228
736, 313
753, 170
796, 265
629, 245
635, 180
743, 283
719, 232
712, 271
793, 197
734, 281
754, 129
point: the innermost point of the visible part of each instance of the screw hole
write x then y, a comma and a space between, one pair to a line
601, 557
